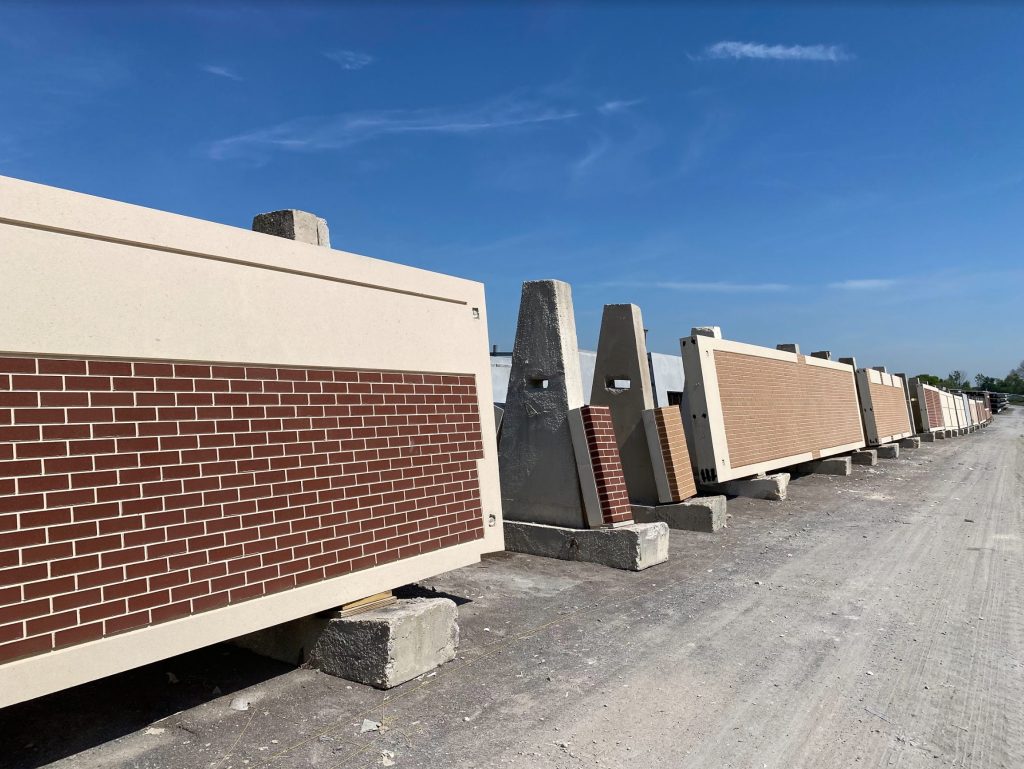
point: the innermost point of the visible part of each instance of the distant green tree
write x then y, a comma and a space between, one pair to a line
931, 379
957, 380
983, 382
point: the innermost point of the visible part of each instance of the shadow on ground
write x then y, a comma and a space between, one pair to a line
44, 730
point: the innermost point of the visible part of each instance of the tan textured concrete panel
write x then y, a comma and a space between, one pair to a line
775, 409
889, 408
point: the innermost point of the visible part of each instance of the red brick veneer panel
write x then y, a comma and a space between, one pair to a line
133, 493
607, 464
933, 403
674, 453
778, 408
889, 406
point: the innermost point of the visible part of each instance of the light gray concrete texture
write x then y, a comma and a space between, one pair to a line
771, 487
911, 443
666, 377
539, 479
694, 514
828, 466
294, 225
622, 382
633, 547
888, 451
867, 457
864, 623
382, 647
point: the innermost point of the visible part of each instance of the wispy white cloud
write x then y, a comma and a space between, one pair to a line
350, 59
864, 284
316, 134
213, 69
731, 49
617, 105
718, 287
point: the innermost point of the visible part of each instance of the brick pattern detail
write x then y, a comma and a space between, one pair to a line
674, 453
134, 493
604, 456
889, 406
933, 405
777, 408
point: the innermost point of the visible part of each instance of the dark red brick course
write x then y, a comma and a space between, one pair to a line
604, 456
133, 493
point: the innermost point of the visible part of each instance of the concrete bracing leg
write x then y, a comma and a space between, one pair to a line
622, 381
539, 477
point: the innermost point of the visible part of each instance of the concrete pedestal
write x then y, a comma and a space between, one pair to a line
381, 648
911, 443
634, 547
888, 451
828, 466
867, 457
696, 514
773, 487
928, 437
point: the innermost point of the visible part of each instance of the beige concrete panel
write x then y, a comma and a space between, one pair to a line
35, 676
755, 409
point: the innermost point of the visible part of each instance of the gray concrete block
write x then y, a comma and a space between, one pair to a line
788, 347
381, 648
911, 443
867, 457
938, 435
773, 487
536, 459
634, 547
294, 225
888, 451
695, 514
827, 466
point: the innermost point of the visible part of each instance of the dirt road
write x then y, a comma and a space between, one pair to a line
875, 620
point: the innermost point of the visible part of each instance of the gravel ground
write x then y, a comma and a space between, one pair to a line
875, 620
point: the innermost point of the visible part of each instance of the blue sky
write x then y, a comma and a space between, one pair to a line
849, 179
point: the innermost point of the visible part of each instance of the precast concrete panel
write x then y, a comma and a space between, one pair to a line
883, 404
753, 409
216, 430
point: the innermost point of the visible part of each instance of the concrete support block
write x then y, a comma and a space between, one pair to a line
294, 225
950, 433
939, 435
634, 547
773, 487
827, 466
381, 648
788, 347
867, 457
888, 451
911, 443
713, 331
695, 514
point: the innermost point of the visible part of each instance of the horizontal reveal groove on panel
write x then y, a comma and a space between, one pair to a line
133, 493
754, 409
